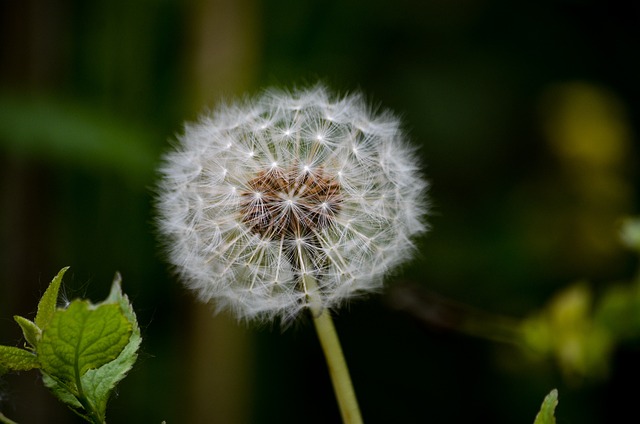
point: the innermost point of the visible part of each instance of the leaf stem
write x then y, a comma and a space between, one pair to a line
92, 415
330, 343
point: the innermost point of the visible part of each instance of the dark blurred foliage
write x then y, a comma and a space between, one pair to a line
525, 113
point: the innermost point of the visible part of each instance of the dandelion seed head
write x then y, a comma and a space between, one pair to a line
260, 195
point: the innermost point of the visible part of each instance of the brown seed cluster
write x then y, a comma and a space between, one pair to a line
290, 203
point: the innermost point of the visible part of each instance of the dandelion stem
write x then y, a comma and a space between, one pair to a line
335, 359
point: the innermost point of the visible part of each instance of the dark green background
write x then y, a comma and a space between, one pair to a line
91, 92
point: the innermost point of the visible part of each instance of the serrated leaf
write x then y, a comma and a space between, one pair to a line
99, 383
116, 296
30, 330
48, 302
16, 359
546, 414
82, 337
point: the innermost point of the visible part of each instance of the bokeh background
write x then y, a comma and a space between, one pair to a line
526, 114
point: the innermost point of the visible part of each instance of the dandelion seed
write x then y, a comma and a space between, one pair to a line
250, 211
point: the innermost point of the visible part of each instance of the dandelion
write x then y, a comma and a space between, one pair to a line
292, 201
261, 197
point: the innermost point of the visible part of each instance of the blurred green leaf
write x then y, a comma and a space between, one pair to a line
566, 329
618, 311
546, 414
67, 131
630, 233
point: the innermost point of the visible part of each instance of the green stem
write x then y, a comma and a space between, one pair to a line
335, 359
92, 415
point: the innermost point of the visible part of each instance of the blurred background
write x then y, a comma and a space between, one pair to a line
526, 114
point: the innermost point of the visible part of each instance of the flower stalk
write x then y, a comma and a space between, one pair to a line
338, 370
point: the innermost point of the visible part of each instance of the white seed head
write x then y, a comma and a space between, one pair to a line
259, 196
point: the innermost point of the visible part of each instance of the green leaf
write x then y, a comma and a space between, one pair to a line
546, 414
83, 351
48, 303
100, 382
30, 330
80, 338
16, 359
61, 391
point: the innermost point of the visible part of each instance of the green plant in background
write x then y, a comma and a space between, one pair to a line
82, 350
581, 330
577, 328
